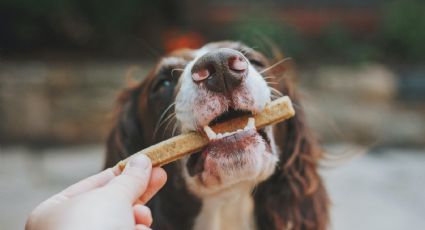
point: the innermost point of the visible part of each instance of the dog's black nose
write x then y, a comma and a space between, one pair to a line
221, 70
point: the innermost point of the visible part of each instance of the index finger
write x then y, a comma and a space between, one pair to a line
90, 183
156, 182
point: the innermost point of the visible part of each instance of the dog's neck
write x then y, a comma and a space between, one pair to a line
229, 210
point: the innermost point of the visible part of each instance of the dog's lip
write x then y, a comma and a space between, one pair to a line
196, 161
237, 140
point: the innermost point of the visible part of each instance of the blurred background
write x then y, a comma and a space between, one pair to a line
360, 68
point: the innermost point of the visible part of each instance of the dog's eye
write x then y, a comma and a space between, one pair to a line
164, 83
257, 63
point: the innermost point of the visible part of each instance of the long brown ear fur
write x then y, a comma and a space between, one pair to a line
126, 136
294, 196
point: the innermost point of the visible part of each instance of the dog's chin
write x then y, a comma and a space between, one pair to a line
242, 159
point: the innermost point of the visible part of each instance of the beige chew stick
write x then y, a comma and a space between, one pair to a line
176, 147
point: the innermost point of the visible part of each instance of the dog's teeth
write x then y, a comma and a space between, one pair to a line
251, 123
210, 133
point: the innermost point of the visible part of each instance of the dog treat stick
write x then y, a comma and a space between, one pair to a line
176, 147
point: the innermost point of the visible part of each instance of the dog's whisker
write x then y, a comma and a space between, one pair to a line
251, 47
159, 123
297, 106
166, 110
175, 69
272, 83
173, 119
275, 64
169, 117
244, 50
174, 129
276, 92
274, 96
166, 120
182, 110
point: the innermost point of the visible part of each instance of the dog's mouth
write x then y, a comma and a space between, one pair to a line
231, 147
228, 115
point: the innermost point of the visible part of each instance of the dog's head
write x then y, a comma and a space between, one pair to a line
220, 82
191, 90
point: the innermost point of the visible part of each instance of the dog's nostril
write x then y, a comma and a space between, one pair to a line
200, 75
237, 63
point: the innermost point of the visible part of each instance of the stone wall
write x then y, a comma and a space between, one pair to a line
59, 103
71, 102
362, 104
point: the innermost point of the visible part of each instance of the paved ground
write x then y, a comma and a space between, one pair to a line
382, 190
377, 191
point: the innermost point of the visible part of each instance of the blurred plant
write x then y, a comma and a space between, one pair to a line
261, 34
337, 41
334, 43
88, 24
403, 29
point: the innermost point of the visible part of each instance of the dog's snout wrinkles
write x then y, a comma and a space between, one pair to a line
220, 71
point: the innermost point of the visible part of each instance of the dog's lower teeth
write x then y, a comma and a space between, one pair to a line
251, 123
213, 136
210, 133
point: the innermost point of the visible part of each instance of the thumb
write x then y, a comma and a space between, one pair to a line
133, 181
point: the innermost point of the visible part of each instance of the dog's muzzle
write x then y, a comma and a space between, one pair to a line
221, 70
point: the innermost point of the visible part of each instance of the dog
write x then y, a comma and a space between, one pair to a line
248, 179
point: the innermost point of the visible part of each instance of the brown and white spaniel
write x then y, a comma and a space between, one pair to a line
248, 179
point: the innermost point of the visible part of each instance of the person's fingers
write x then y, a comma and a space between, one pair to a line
158, 179
91, 183
132, 182
44, 207
80, 187
142, 227
142, 215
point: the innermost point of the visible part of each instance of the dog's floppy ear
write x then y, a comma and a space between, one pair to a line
293, 197
126, 136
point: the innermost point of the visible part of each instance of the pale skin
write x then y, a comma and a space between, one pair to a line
109, 200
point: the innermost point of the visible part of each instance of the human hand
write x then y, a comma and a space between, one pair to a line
108, 200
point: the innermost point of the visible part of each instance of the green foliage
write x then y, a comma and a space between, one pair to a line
261, 34
90, 23
337, 41
103, 25
403, 28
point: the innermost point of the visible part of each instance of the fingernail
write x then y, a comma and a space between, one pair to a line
142, 227
140, 161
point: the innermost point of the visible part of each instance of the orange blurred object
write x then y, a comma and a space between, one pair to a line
174, 39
